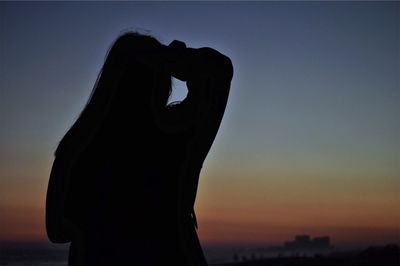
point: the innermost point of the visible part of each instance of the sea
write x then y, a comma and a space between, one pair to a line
48, 254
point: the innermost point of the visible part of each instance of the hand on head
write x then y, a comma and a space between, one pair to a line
186, 63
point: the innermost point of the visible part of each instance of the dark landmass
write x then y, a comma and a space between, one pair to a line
33, 254
388, 255
46, 254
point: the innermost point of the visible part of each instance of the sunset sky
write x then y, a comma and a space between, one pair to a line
310, 139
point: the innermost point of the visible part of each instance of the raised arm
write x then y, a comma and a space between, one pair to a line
196, 67
210, 84
208, 74
59, 229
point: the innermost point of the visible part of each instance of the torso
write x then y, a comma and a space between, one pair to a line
125, 193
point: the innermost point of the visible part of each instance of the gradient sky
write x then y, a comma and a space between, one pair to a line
311, 136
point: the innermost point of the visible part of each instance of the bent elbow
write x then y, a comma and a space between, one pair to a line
228, 67
55, 234
224, 68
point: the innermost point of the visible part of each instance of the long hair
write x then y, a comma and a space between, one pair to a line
120, 71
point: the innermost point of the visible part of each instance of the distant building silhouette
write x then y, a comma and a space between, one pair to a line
321, 242
305, 242
300, 247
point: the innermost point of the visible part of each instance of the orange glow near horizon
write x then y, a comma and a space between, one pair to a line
245, 214
27, 224
23, 224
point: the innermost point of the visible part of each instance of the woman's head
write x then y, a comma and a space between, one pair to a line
123, 93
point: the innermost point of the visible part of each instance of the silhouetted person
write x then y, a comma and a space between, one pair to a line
124, 179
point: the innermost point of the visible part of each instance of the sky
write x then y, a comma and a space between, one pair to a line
311, 135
